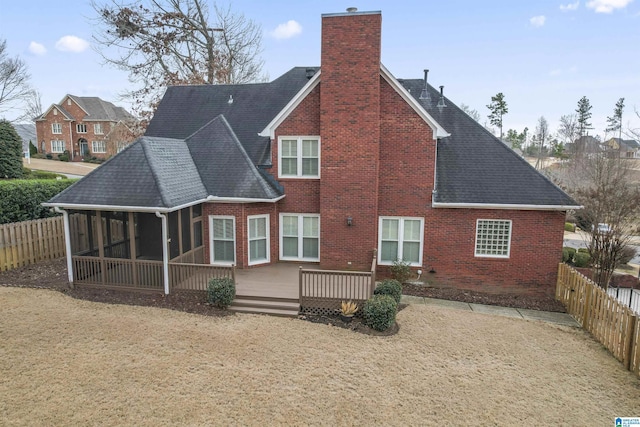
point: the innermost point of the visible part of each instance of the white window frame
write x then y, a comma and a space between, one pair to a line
97, 128
299, 157
58, 141
93, 147
300, 217
211, 245
81, 128
485, 255
401, 220
56, 128
249, 240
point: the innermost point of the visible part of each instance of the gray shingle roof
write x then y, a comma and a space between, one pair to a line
185, 109
473, 166
98, 109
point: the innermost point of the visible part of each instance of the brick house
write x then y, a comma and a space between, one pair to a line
325, 165
84, 127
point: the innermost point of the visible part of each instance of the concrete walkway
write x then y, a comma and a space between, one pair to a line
563, 319
69, 168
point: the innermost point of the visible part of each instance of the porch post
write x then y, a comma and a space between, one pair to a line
165, 252
67, 243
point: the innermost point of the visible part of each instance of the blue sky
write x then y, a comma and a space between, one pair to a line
543, 55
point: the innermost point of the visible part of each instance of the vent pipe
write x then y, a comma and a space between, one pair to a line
425, 90
352, 9
441, 103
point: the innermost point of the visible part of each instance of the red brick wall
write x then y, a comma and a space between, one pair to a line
536, 249
44, 131
350, 129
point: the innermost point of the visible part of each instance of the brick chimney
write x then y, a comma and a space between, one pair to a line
350, 137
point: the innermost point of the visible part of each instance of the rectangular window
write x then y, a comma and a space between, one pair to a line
98, 147
258, 239
300, 237
223, 239
56, 128
299, 157
121, 146
81, 128
400, 239
493, 238
57, 146
97, 128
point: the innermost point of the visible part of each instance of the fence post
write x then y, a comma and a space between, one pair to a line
300, 285
630, 342
587, 302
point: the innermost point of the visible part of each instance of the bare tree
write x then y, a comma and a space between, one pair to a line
473, 113
14, 79
568, 128
32, 107
171, 42
541, 136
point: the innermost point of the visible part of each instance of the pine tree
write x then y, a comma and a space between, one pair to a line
584, 115
10, 151
615, 123
498, 108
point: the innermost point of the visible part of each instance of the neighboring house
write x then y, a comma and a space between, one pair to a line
584, 145
325, 165
27, 133
626, 148
84, 127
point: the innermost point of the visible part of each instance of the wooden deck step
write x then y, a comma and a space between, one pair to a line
273, 306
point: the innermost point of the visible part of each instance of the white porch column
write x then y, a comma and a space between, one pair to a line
165, 251
67, 242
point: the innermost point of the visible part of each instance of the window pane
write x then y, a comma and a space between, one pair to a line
289, 148
309, 167
310, 226
290, 226
257, 228
389, 251
310, 248
197, 234
289, 166
223, 251
258, 250
411, 230
390, 229
411, 252
492, 237
290, 247
309, 148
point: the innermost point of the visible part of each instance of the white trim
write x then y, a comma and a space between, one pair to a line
52, 107
505, 206
267, 219
93, 147
67, 243
400, 220
270, 129
300, 236
211, 254
57, 125
165, 251
475, 244
299, 156
438, 130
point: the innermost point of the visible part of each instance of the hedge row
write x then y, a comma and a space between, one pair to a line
20, 200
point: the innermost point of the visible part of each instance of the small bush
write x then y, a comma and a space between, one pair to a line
32, 149
390, 287
626, 254
379, 312
570, 254
583, 250
565, 255
569, 227
64, 157
581, 259
49, 156
221, 292
36, 174
400, 270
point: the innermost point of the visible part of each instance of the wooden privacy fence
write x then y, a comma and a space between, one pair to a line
28, 242
322, 291
609, 321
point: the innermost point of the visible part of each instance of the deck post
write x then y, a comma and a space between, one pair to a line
165, 251
67, 243
300, 285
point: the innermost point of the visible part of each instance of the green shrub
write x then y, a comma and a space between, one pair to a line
565, 255
583, 250
570, 254
569, 227
49, 156
221, 292
400, 270
10, 151
390, 287
20, 199
33, 150
581, 259
626, 254
35, 174
64, 157
379, 312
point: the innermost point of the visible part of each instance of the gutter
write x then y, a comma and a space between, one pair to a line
165, 251
67, 242
504, 206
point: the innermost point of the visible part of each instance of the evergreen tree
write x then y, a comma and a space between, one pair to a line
498, 108
584, 115
10, 151
615, 123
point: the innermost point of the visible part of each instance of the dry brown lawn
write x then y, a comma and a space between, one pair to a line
73, 362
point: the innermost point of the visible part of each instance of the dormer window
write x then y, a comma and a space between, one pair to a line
81, 128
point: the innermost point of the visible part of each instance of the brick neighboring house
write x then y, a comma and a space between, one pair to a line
623, 148
324, 165
85, 127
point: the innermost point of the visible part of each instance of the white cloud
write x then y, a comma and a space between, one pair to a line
570, 6
538, 21
607, 6
37, 49
72, 44
287, 30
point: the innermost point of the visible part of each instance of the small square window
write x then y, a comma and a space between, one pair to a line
493, 238
81, 128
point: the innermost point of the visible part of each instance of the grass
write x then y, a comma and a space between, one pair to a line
73, 362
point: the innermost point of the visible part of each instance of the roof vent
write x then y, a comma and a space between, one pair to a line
230, 101
352, 9
424, 95
310, 72
441, 103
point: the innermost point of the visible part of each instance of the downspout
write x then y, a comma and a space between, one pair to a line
165, 252
67, 242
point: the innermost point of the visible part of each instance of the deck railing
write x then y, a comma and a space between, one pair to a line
195, 277
194, 256
118, 273
322, 291
608, 320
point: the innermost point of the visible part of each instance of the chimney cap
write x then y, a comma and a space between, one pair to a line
352, 9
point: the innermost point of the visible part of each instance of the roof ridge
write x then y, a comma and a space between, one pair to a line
146, 153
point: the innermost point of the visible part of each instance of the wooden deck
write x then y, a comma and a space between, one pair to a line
278, 280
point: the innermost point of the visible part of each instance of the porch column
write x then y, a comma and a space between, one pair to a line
165, 251
67, 243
